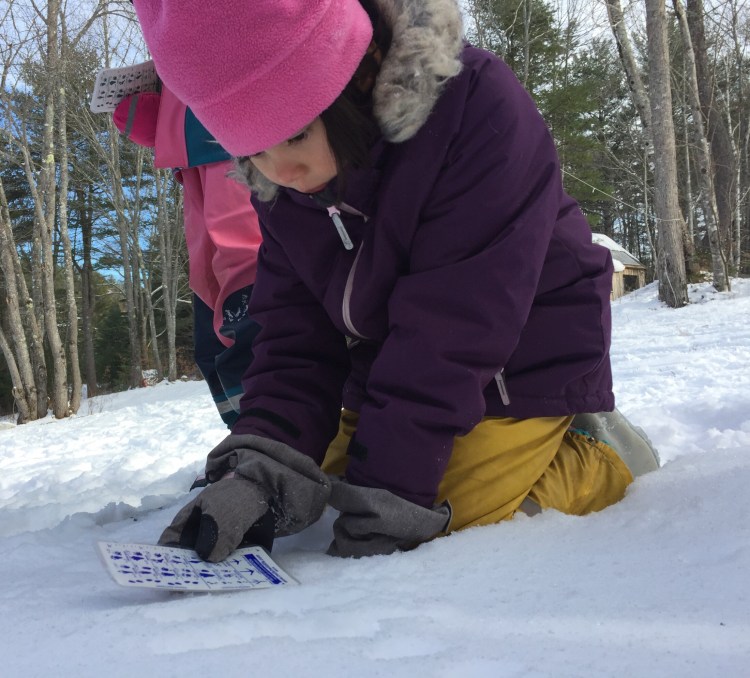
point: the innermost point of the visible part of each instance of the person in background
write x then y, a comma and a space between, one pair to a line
421, 263
221, 231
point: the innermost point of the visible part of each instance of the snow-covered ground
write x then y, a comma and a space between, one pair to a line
657, 585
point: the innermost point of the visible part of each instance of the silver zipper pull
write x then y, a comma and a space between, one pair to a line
500, 381
335, 215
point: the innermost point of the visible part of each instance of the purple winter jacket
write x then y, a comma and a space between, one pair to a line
472, 289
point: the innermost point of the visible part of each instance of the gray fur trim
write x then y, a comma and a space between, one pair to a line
246, 173
425, 53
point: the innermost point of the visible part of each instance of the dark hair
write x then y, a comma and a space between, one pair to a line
351, 129
349, 121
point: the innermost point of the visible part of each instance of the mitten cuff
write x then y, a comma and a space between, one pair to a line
375, 521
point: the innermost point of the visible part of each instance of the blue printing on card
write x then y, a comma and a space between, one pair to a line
172, 570
266, 571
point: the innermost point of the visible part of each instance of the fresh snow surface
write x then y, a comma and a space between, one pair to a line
657, 585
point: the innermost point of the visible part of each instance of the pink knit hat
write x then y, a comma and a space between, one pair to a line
255, 72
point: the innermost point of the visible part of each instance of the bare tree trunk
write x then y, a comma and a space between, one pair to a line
19, 390
671, 262
688, 235
170, 266
479, 34
35, 303
527, 12
738, 213
88, 297
70, 290
689, 199
705, 170
14, 128
722, 152
140, 296
632, 72
740, 203
17, 357
643, 106
123, 231
30, 318
128, 279
144, 276
741, 133
646, 207
147, 295
59, 396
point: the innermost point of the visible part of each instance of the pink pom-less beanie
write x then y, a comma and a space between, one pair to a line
255, 72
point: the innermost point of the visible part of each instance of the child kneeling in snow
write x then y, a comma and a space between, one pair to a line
421, 263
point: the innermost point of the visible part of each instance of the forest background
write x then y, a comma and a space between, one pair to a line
648, 103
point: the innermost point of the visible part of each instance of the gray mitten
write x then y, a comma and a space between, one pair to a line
252, 477
215, 522
375, 521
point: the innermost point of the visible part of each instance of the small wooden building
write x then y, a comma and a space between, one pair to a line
630, 274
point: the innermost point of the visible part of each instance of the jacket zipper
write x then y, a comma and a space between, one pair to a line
500, 381
335, 215
346, 302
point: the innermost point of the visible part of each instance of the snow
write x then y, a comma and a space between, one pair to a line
656, 585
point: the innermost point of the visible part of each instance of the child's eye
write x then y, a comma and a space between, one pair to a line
300, 137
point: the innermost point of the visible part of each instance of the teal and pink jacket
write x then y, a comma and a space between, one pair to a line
221, 231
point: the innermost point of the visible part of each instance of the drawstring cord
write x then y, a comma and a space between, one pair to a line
335, 215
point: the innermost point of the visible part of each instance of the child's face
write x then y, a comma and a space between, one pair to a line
303, 162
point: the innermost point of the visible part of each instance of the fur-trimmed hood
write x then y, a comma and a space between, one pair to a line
425, 52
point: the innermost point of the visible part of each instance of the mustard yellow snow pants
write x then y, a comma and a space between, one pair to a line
505, 464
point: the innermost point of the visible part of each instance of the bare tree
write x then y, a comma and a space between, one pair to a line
23, 354
17, 355
42, 155
88, 295
171, 240
723, 157
68, 274
46, 211
739, 131
705, 169
632, 71
123, 229
671, 262
143, 270
42, 191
